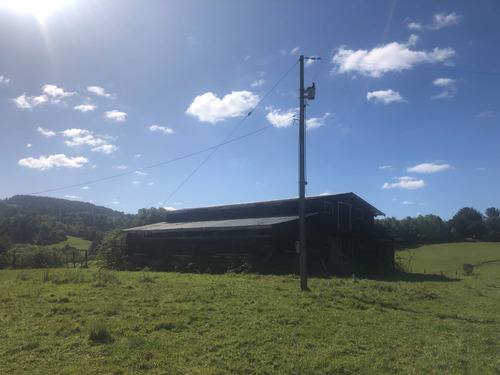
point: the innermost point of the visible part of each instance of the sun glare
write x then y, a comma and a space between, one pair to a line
39, 8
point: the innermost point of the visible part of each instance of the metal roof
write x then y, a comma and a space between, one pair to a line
250, 223
375, 211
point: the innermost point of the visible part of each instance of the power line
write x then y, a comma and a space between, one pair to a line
154, 165
213, 148
230, 133
395, 67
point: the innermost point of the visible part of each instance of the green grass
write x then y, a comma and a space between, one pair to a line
76, 242
81, 321
448, 259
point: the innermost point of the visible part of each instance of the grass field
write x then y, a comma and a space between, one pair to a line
78, 243
91, 321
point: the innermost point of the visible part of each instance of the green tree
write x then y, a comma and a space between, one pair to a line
112, 252
492, 223
468, 223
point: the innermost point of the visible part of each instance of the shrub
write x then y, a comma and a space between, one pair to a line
111, 250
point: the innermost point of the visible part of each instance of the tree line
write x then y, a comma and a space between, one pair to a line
468, 224
34, 222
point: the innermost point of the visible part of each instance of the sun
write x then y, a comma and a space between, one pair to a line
39, 8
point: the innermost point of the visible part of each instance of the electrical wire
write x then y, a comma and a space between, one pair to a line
154, 165
213, 148
229, 135
449, 70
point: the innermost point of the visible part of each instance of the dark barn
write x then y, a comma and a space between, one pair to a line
341, 237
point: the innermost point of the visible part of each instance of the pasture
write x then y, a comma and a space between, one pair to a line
81, 321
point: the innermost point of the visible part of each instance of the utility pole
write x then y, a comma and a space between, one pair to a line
304, 94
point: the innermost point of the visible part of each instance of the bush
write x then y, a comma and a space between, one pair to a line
31, 256
111, 250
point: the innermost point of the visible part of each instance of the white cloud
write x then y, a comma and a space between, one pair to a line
72, 197
409, 183
58, 160
81, 137
163, 129
316, 122
385, 96
386, 167
56, 92
85, 188
139, 173
448, 84
138, 156
45, 132
415, 26
282, 119
115, 115
28, 102
429, 168
84, 137
4, 80
443, 95
52, 92
292, 51
209, 108
29, 145
105, 149
168, 208
258, 83
444, 82
122, 167
488, 114
392, 57
85, 107
406, 203
441, 20
98, 91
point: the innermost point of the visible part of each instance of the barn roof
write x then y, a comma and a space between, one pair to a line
273, 203
230, 224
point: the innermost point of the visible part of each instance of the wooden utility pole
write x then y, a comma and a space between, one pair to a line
302, 183
304, 94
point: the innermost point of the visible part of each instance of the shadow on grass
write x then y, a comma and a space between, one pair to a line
391, 276
410, 277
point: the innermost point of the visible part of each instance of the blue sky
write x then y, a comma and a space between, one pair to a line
123, 103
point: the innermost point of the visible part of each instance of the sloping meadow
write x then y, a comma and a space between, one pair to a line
80, 321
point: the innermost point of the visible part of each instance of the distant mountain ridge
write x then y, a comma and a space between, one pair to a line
45, 220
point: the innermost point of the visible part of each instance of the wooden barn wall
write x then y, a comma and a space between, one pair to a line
211, 251
265, 250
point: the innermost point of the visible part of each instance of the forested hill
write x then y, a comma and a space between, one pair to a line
43, 220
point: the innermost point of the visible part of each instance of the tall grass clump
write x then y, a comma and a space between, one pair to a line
99, 332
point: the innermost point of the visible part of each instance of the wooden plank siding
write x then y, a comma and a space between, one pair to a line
340, 238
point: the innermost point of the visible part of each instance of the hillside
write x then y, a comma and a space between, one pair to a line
43, 220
